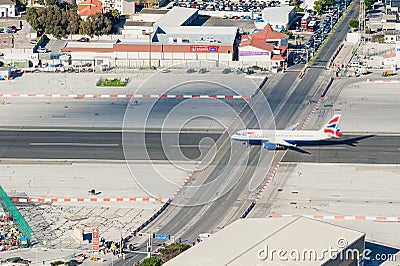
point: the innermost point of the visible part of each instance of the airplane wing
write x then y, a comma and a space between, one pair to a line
284, 143
292, 127
273, 145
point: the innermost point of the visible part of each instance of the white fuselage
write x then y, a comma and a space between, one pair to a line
290, 136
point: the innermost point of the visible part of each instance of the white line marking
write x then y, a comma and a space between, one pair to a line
74, 144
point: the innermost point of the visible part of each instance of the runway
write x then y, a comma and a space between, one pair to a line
93, 145
352, 149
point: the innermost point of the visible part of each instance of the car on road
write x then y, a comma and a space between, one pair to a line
11, 29
41, 50
83, 39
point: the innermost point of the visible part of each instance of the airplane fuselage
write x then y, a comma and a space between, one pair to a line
257, 136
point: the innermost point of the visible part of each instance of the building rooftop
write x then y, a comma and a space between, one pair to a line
89, 45
239, 243
197, 34
268, 34
139, 23
7, 2
249, 41
154, 11
89, 7
176, 17
277, 15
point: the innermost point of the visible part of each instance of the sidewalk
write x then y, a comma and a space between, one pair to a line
345, 54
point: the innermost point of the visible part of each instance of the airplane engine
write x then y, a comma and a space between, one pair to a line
270, 146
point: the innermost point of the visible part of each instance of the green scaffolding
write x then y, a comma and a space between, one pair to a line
9, 206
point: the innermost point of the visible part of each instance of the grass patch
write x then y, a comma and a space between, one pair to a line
112, 82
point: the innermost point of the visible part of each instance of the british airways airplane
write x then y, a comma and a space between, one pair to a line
281, 139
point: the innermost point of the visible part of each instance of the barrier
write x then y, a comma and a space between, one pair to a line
9, 206
327, 88
342, 217
47, 200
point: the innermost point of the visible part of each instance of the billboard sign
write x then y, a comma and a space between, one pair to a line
204, 48
253, 53
95, 239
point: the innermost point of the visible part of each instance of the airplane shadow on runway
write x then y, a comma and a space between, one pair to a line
332, 142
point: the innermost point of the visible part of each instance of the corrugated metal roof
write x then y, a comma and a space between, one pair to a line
197, 34
88, 45
239, 242
275, 15
154, 11
176, 17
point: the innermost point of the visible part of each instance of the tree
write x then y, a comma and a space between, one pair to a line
152, 261
95, 24
173, 250
354, 23
318, 6
369, 4
73, 22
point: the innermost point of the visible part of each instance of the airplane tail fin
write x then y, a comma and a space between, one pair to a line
331, 128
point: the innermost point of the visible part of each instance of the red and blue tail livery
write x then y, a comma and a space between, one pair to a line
331, 128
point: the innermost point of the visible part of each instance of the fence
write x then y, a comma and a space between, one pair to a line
17, 217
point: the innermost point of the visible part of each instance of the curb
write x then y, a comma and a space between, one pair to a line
342, 217
46, 200
383, 81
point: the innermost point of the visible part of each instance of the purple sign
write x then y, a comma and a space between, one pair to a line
252, 53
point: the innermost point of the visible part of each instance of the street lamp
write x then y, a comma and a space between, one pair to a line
150, 41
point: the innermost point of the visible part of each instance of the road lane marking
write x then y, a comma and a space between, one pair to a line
74, 144
191, 146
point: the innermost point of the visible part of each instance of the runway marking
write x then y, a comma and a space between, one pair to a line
74, 144
122, 96
191, 146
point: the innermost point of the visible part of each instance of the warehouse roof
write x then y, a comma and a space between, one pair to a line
239, 243
197, 34
277, 14
176, 17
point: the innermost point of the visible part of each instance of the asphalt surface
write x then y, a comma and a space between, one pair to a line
364, 149
200, 219
369, 148
91, 145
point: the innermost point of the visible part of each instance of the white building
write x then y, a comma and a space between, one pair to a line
7, 9
5, 73
125, 7
256, 241
280, 18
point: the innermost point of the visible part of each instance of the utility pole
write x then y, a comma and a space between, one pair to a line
361, 28
149, 246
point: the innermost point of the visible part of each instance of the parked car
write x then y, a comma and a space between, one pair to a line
11, 29
41, 50
83, 39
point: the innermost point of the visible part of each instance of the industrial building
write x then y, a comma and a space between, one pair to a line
168, 41
280, 18
256, 241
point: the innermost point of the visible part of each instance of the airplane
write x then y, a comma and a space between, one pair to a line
283, 139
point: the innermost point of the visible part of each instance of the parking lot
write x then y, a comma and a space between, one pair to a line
241, 6
319, 27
